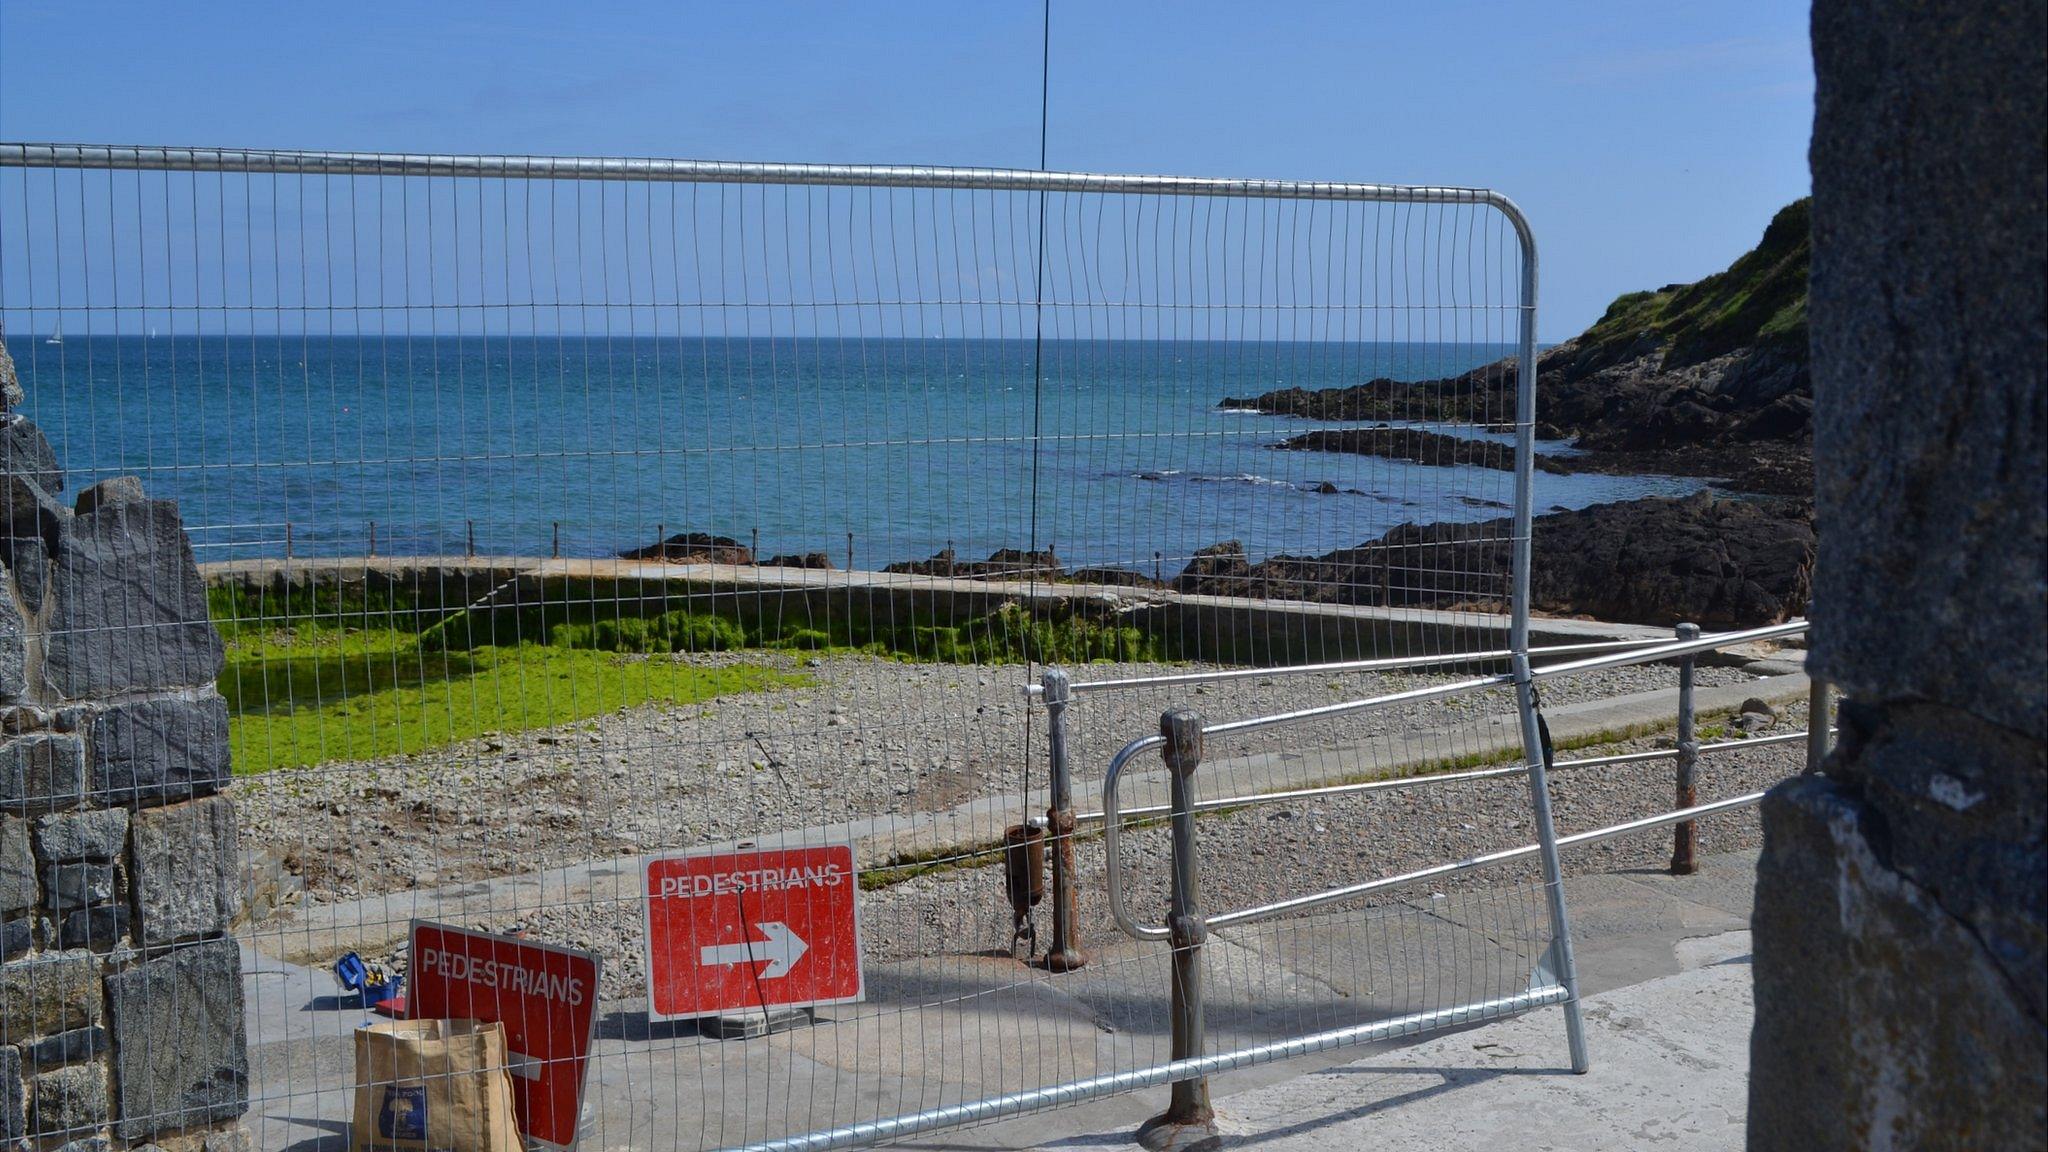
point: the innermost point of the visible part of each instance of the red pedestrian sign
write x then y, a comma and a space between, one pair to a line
545, 996
753, 928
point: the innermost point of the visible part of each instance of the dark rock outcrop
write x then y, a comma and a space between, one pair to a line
799, 560
1113, 577
693, 548
1715, 561
1219, 570
1003, 563
1415, 445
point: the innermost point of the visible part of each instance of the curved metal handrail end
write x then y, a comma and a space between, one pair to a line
1111, 829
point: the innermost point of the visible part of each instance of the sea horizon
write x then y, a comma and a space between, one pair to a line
1111, 453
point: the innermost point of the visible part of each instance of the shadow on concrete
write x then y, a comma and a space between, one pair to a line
334, 1137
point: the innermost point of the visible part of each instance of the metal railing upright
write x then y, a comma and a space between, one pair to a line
1181, 740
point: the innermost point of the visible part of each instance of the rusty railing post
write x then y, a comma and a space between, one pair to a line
1188, 1122
1684, 836
1064, 953
1818, 723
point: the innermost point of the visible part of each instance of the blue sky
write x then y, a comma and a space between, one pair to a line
1649, 142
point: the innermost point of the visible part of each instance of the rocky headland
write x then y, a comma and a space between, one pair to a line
1708, 379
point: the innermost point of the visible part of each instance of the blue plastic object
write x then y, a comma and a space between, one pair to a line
370, 981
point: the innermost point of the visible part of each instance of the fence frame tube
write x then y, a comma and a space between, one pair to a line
15, 154
1016, 1103
314, 163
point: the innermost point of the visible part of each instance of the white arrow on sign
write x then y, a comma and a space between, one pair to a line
782, 949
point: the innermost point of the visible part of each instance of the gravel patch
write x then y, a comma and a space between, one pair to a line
1262, 853
864, 737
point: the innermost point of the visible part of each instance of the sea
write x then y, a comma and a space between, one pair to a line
1117, 453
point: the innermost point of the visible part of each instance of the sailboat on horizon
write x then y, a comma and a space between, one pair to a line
56, 334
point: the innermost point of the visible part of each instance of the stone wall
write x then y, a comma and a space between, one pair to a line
120, 990
1901, 938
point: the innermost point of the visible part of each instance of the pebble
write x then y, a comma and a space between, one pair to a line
909, 737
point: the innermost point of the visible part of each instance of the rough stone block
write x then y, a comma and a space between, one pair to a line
180, 1053
41, 772
77, 885
53, 992
74, 1047
1929, 319
94, 834
186, 873
90, 1144
112, 490
1964, 808
17, 936
99, 928
29, 512
128, 608
13, 1113
27, 561
1881, 1018
160, 751
18, 887
26, 452
69, 1100
11, 394
13, 643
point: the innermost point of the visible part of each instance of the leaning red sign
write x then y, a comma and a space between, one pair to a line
754, 928
546, 997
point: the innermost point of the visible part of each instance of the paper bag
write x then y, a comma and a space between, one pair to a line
433, 1086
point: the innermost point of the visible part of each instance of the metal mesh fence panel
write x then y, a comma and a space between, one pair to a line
554, 516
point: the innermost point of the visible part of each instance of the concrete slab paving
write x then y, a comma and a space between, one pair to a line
947, 1029
1670, 1068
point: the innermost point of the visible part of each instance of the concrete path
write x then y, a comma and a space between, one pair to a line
1670, 1069
947, 1028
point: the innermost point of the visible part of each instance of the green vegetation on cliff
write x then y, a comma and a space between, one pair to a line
1759, 301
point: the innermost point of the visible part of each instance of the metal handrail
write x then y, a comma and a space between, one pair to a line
1299, 903
1112, 828
1650, 655
1112, 778
1672, 648
1375, 664
1397, 783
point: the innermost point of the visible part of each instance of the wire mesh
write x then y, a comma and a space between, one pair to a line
556, 515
